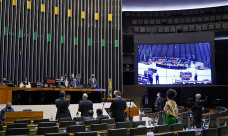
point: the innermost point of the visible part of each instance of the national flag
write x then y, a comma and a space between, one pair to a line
109, 88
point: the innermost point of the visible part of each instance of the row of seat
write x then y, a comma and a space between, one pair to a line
180, 28
172, 21
190, 12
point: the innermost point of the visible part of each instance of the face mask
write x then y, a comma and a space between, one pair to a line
9, 108
72, 75
74, 82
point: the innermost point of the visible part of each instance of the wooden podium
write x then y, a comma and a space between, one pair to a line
134, 111
5, 95
31, 115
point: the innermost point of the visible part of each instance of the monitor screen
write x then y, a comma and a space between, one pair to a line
188, 63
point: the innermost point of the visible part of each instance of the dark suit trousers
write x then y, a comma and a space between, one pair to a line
197, 122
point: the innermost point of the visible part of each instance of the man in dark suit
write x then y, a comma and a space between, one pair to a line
117, 107
158, 102
90, 115
197, 111
100, 115
85, 105
8, 108
92, 81
62, 105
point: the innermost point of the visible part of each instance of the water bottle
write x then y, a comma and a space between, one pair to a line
51, 118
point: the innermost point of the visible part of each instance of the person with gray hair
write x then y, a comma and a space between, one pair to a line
62, 105
117, 107
197, 111
8, 108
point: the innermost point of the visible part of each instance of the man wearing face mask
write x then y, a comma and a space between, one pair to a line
8, 108
71, 78
92, 81
158, 102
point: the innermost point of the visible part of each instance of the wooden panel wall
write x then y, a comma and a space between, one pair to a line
47, 38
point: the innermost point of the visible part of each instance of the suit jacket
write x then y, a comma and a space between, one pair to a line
197, 109
102, 117
85, 106
89, 118
117, 108
62, 105
92, 82
3, 112
158, 103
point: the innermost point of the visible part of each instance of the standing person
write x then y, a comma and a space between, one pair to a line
8, 108
78, 80
85, 105
197, 111
62, 105
157, 79
92, 81
171, 108
158, 102
117, 107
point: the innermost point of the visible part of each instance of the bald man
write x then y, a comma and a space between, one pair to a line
8, 108
85, 105
197, 111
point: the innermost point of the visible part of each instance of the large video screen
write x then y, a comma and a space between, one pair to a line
188, 63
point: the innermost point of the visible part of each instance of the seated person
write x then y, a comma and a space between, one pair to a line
92, 81
90, 116
100, 115
78, 80
25, 83
8, 108
73, 83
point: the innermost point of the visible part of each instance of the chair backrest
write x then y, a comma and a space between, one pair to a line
165, 134
1, 127
17, 125
78, 119
186, 133
98, 127
117, 132
138, 123
57, 134
65, 119
176, 127
23, 121
138, 131
36, 121
108, 121
123, 124
90, 122
66, 123
75, 128
85, 134
209, 132
161, 129
26, 110
47, 124
44, 130
222, 131
17, 131
212, 120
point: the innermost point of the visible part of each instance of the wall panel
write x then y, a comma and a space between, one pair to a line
48, 38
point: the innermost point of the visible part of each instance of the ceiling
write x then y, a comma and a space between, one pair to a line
164, 5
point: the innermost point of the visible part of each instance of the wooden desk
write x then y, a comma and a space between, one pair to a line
134, 111
11, 116
6, 92
5, 95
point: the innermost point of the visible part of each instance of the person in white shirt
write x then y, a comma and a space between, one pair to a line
25, 83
